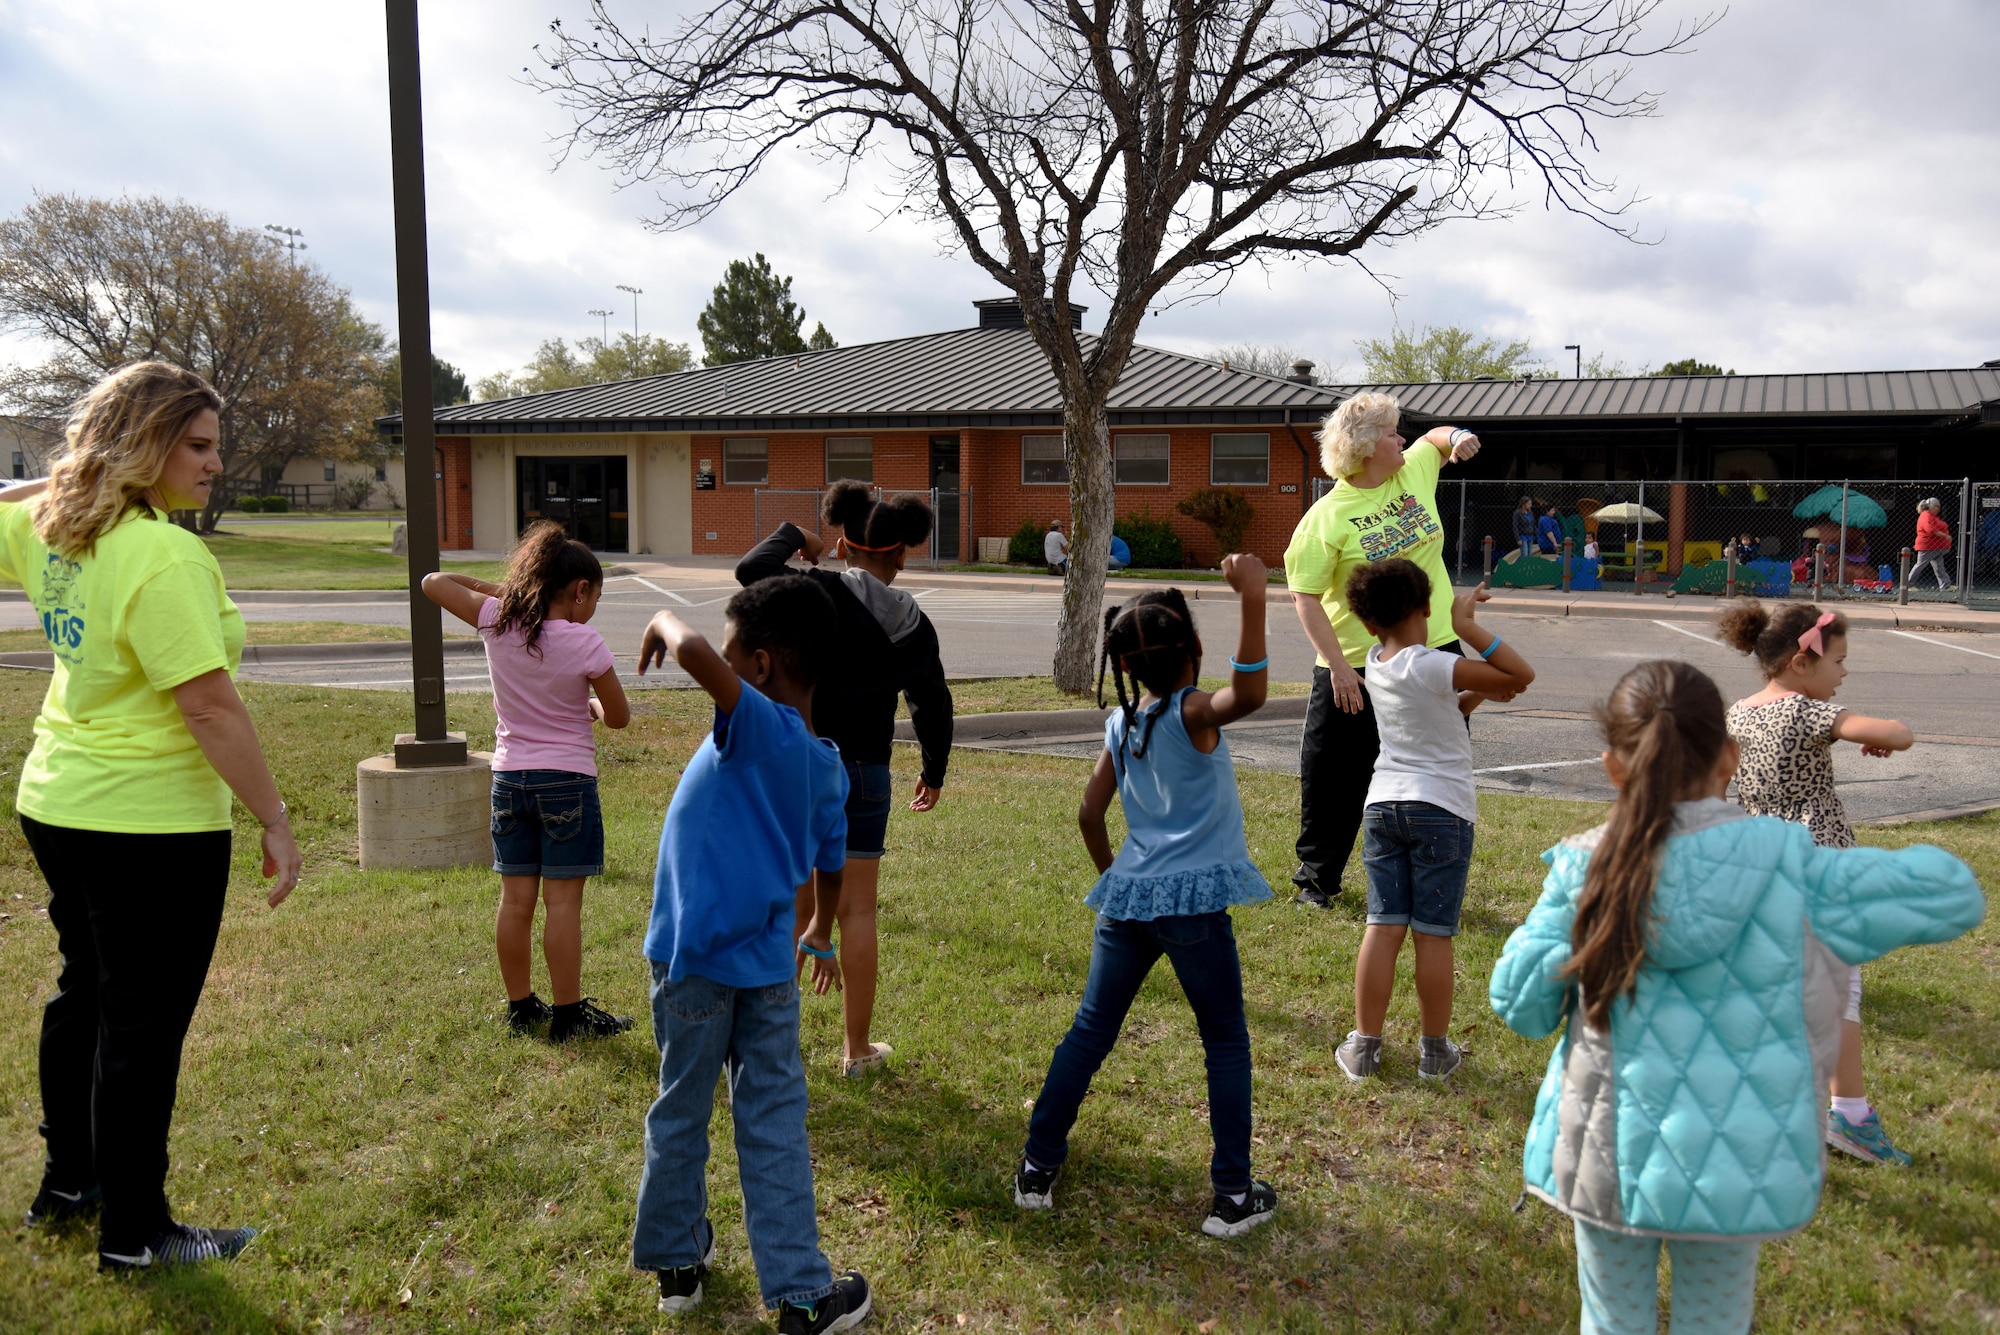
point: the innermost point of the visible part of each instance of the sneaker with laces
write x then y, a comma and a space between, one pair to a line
1358, 1056
180, 1244
1035, 1188
1310, 893
585, 1020
680, 1288
1227, 1219
1438, 1058
1865, 1140
529, 1011
52, 1207
846, 1307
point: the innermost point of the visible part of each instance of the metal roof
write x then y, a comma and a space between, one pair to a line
1923, 394
963, 377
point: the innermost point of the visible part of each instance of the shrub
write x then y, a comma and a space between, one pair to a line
352, 493
1025, 547
1226, 514
250, 505
276, 505
1154, 544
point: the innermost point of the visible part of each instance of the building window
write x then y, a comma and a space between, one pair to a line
382, 472
326, 469
1239, 460
20, 464
746, 460
1140, 461
1042, 462
850, 457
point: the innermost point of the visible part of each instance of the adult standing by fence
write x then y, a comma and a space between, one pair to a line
1933, 543
885, 647
1384, 504
125, 797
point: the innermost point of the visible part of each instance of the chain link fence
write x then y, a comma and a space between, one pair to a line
950, 509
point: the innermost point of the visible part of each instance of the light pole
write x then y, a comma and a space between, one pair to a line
1576, 348
604, 321
290, 239
636, 292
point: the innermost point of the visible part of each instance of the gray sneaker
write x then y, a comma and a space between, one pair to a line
1438, 1057
1358, 1056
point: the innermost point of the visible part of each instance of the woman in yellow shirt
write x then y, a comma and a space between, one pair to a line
125, 796
1384, 504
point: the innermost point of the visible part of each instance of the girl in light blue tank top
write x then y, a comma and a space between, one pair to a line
1169, 889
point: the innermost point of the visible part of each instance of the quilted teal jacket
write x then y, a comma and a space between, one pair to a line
1698, 1114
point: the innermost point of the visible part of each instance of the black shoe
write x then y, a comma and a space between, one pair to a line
585, 1020
180, 1244
1310, 894
846, 1307
53, 1207
1227, 1219
529, 1011
680, 1288
1035, 1188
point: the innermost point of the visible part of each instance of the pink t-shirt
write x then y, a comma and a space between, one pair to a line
543, 703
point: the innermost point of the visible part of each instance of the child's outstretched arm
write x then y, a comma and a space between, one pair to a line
668, 634
609, 705
1499, 669
819, 932
1246, 691
1097, 797
460, 595
1877, 736
1865, 902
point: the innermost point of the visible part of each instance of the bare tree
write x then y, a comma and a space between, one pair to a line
1279, 359
1146, 148
106, 282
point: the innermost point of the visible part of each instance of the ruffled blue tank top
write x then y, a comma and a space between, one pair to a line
1184, 850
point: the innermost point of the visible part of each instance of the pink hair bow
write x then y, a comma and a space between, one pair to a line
1813, 638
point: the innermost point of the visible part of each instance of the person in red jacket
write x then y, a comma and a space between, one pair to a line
1933, 543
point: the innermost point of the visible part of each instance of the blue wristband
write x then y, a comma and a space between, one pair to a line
806, 947
1488, 651
1257, 666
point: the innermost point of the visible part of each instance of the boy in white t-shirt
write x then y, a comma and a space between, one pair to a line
1421, 806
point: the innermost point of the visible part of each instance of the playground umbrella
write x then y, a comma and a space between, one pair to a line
1862, 511
1625, 512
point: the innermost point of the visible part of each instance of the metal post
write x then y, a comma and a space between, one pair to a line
1569, 545
1486, 559
1729, 576
1639, 546
1965, 547
1818, 567
1903, 576
1458, 569
430, 744
1840, 577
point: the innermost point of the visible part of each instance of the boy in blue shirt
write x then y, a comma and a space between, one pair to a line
760, 807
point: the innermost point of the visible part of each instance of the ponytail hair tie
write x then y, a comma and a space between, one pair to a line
1813, 639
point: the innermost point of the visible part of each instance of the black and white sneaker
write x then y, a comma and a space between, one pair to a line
586, 1020
680, 1288
1438, 1057
1035, 1188
1359, 1056
1227, 1219
843, 1309
181, 1244
529, 1011
52, 1207
1310, 892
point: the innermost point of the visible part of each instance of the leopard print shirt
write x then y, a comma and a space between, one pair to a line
1787, 767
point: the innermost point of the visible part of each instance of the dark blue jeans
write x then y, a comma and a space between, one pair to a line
1202, 949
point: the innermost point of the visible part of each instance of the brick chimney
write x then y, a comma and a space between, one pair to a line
1006, 313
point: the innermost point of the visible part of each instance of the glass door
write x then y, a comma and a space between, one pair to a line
944, 478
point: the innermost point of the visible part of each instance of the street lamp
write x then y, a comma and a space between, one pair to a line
636, 292
1576, 348
604, 321
290, 239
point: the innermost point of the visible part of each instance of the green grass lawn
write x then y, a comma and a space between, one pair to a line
308, 554
256, 632
349, 1088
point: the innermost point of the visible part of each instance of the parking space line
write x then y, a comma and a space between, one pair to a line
1544, 764
1692, 635
667, 592
1943, 644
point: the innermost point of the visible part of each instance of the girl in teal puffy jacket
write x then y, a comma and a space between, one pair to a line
1700, 956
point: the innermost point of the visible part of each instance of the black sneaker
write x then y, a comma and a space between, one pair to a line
1310, 894
585, 1020
52, 1207
529, 1011
1227, 1219
846, 1307
680, 1288
180, 1244
1035, 1188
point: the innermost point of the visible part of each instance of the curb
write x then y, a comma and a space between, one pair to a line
259, 655
1079, 725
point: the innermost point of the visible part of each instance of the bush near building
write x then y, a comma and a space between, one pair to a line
1154, 544
1225, 512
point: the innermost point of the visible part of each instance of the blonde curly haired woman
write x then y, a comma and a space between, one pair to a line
1383, 504
125, 797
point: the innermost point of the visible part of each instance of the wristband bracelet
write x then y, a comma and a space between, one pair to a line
807, 947
1487, 652
1257, 666
267, 824
1456, 432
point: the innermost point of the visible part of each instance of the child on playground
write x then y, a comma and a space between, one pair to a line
1697, 954
1421, 808
1169, 890
759, 809
548, 830
1787, 732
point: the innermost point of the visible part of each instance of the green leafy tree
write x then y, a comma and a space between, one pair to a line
1692, 366
556, 365
751, 314
820, 340
1434, 353
1226, 512
447, 383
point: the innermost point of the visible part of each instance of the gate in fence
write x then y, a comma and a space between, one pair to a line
951, 512
1979, 548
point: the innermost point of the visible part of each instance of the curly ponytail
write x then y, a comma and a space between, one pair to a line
1153, 637
870, 525
545, 562
1665, 721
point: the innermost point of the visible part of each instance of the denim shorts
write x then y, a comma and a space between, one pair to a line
1417, 856
547, 823
868, 805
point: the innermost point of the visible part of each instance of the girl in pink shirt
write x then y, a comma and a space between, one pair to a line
548, 830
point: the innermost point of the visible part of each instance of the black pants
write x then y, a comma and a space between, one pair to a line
136, 917
1336, 763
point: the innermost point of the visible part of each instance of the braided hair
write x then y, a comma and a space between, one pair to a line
1153, 638
546, 561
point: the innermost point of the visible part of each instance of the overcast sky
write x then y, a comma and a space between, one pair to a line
1819, 192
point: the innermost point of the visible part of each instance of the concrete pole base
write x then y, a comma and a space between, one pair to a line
418, 819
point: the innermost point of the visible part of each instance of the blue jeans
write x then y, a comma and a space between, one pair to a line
1202, 949
547, 823
1714, 1284
1417, 856
705, 1029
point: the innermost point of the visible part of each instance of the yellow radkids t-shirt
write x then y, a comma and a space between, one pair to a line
1350, 527
141, 614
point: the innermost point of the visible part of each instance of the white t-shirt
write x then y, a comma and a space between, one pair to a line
1426, 753
1055, 547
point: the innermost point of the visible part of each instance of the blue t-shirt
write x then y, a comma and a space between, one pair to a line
760, 806
1119, 551
1549, 533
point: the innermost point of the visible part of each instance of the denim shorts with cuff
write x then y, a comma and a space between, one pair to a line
547, 823
868, 803
1417, 856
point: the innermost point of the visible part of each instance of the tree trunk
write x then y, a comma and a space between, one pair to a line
1087, 448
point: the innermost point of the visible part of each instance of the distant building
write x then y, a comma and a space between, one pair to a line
28, 445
